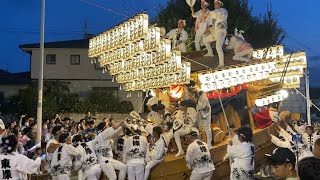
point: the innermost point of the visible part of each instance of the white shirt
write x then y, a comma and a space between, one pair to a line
103, 142
205, 23
220, 17
203, 107
189, 118
242, 160
62, 159
159, 150
49, 155
87, 160
178, 39
198, 157
17, 166
135, 149
286, 142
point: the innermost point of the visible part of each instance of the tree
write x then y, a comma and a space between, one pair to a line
261, 31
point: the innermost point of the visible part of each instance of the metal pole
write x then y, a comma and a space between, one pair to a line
308, 97
40, 79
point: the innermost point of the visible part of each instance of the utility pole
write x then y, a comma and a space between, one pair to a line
40, 79
308, 97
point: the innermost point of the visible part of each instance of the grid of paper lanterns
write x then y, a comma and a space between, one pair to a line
138, 57
231, 77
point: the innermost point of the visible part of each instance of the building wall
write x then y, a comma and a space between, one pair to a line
10, 90
63, 69
82, 78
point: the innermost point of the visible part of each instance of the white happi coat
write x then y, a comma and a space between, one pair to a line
135, 154
156, 155
189, 118
87, 160
135, 149
202, 24
103, 149
218, 32
204, 116
61, 163
198, 157
103, 142
241, 48
16, 166
49, 155
241, 156
118, 147
299, 149
310, 139
179, 39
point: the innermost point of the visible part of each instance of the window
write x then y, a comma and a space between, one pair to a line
51, 59
75, 59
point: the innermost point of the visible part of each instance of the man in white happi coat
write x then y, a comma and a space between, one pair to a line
204, 113
183, 124
309, 136
285, 141
87, 161
52, 145
134, 154
218, 31
13, 165
103, 150
179, 36
242, 49
240, 151
198, 158
61, 164
203, 22
157, 152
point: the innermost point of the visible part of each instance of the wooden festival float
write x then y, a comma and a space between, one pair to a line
139, 58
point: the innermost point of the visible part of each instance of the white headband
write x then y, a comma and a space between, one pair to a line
218, 2
183, 21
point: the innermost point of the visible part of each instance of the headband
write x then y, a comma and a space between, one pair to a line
218, 2
183, 21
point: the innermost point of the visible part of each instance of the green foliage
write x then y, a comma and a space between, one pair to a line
58, 98
261, 31
125, 107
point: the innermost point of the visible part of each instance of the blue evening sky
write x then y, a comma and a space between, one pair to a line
20, 24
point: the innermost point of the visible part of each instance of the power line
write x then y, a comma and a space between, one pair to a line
107, 9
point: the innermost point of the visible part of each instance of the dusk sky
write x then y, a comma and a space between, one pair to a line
20, 24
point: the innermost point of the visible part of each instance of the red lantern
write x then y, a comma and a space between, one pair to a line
176, 91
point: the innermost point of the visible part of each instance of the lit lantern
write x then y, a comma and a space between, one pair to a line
284, 93
176, 91
259, 102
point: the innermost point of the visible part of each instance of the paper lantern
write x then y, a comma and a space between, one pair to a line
259, 102
284, 93
176, 91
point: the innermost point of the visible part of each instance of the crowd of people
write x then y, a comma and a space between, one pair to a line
297, 155
133, 147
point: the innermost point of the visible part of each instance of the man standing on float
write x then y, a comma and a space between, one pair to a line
203, 22
219, 30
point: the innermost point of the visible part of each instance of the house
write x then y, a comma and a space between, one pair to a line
68, 61
12, 83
